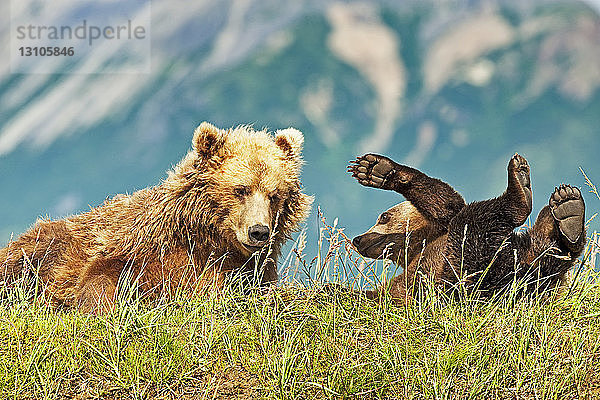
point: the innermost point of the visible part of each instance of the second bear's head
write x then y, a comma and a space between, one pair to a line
248, 184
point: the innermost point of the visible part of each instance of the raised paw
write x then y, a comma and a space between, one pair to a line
568, 210
519, 184
373, 170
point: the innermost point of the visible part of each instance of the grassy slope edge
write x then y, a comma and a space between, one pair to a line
301, 342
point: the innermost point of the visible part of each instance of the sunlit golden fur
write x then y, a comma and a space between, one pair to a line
189, 231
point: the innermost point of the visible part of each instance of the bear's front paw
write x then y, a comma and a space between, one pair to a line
568, 210
374, 170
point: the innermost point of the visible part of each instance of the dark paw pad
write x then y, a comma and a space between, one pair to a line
519, 180
519, 189
373, 170
520, 167
568, 209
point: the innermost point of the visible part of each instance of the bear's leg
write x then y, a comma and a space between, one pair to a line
433, 198
98, 286
518, 196
557, 238
36, 251
479, 236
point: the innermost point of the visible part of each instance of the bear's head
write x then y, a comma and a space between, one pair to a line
248, 185
397, 229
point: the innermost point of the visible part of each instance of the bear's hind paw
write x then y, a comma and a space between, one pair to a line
519, 188
568, 210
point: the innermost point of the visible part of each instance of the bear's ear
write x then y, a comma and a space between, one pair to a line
208, 140
290, 140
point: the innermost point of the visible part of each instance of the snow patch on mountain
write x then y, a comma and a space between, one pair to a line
356, 28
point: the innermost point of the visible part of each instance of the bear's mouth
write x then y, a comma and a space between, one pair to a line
375, 250
367, 246
253, 249
375, 244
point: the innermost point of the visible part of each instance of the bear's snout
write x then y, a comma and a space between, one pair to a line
258, 234
366, 240
371, 244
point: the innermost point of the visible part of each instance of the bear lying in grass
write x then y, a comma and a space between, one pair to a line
435, 235
237, 193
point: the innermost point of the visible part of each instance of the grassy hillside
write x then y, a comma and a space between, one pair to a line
302, 341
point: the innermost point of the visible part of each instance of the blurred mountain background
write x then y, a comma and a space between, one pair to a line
453, 88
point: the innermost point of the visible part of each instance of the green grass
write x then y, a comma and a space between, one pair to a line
301, 342
305, 340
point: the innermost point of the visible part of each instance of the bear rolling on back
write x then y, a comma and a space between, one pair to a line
435, 235
235, 194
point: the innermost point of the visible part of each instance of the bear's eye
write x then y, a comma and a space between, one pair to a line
241, 191
274, 196
384, 218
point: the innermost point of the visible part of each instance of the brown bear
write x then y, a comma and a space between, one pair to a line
435, 235
226, 208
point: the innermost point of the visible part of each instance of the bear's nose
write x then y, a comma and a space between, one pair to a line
356, 241
258, 233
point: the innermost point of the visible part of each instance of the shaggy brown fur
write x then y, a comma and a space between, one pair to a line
435, 235
237, 193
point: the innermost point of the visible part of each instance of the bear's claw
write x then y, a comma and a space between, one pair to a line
519, 183
568, 210
372, 170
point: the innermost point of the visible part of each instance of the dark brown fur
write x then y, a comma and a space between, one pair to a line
475, 244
